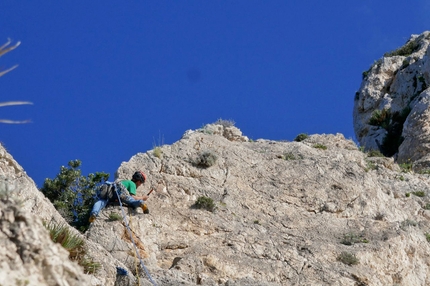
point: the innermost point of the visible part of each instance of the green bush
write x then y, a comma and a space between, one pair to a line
115, 217
347, 258
419, 193
405, 64
406, 50
352, 238
424, 172
407, 223
205, 203
74, 244
301, 137
380, 118
370, 166
73, 194
158, 152
375, 153
406, 167
320, 146
206, 159
289, 156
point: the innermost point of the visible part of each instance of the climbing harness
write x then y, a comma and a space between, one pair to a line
132, 240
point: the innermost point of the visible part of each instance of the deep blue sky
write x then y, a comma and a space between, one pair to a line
109, 79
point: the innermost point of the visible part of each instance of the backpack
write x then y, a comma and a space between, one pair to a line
107, 192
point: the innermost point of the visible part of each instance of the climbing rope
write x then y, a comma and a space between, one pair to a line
132, 240
135, 259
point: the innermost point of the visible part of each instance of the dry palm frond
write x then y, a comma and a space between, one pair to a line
8, 103
8, 70
7, 48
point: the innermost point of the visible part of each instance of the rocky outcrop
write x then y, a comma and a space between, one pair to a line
287, 213
392, 105
27, 254
316, 212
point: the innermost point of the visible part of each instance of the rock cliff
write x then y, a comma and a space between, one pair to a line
391, 108
230, 211
315, 212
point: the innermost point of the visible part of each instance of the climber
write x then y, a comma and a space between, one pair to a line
127, 193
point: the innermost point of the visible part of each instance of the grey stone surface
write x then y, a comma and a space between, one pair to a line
399, 83
285, 212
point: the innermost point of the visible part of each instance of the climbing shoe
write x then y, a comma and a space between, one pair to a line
92, 218
145, 209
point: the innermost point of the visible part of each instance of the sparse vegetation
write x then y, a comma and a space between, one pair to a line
352, 238
427, 235
419, 193
364, 75
427, 206
379, 216
405, 64
320, 146
407, 223
206, 159
74, 244
225, 123
370, 166
406, 166
424, 172
406, 50
375, 63
380, 118
115, 216
158, 152
205, 203
289, 156
301, 137
374, 153
347, 258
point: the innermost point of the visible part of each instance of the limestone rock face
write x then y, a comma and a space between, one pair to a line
287, 213
316, 212
27, 254
391, 107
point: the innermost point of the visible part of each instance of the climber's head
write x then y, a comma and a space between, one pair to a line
138, 178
